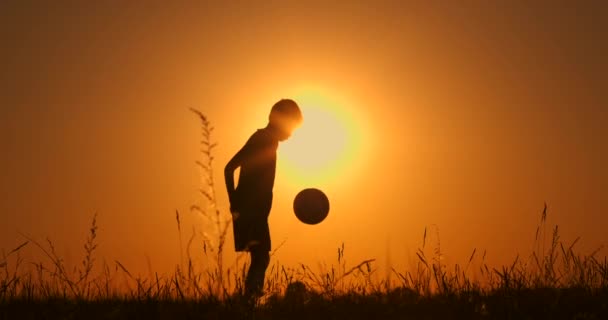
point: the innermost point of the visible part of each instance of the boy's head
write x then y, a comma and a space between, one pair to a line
285, 117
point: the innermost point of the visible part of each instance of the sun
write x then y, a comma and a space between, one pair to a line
320, 140
323, 146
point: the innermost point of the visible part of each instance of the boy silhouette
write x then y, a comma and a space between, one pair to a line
251, 200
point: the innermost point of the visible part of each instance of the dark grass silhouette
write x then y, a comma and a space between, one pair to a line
560, 285
553, 282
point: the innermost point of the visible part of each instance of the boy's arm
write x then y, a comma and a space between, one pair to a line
232, 165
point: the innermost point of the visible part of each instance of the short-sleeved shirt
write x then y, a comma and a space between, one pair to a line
254, 191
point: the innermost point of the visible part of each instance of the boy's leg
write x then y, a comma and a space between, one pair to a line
260, 258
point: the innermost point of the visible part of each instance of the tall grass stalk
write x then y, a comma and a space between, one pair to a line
214, 237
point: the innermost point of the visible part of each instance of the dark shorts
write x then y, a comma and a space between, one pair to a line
250, 229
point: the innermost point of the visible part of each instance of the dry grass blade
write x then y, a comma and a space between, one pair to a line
124, 269
358, 267
421, 257
19, 247
472, 255
179, 233
424, 238
273, 252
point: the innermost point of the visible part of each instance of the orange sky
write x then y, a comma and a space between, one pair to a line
464, 117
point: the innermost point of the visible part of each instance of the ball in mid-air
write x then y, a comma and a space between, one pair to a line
311, 206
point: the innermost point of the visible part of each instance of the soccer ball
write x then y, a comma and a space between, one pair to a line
311, 206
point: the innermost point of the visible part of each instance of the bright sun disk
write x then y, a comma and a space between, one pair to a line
319, 147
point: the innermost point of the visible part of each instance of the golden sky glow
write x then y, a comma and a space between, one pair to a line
467, 118
328, 143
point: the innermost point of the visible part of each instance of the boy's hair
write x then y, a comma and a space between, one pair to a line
285, 109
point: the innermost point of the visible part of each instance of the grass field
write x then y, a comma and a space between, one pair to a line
560, 284
553, 282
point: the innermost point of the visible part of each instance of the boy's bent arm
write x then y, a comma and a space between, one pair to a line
234, 163
229, 177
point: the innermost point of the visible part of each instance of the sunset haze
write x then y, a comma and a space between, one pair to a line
460, 119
